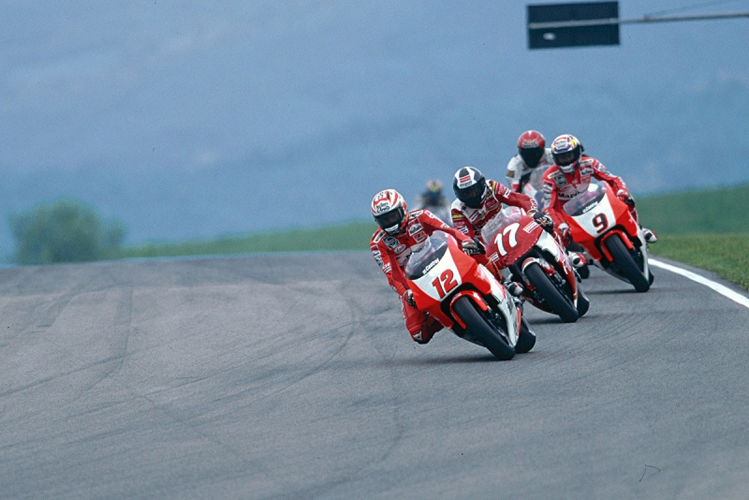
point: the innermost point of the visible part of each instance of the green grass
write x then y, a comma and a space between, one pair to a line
350, 236
721, 210
726, 254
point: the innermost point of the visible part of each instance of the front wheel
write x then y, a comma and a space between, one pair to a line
482, 330
527, 338
552, 297
626, 263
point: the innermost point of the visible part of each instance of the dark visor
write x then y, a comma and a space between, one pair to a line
390, 218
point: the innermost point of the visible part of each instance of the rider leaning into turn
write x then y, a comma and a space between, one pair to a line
479, 200
400, 234
571, 175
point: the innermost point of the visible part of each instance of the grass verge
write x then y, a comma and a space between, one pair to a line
727, 255
351, 236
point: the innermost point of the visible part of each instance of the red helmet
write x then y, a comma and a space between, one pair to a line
531, 147
389, 211
566, 150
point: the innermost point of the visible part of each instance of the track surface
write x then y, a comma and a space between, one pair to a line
292, 376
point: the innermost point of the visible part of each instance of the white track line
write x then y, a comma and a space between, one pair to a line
725, 291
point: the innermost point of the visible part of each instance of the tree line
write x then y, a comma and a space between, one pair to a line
64, 231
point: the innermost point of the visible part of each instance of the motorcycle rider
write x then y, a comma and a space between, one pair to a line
401, 233
479, 200
571, 174
529, 165
434, 200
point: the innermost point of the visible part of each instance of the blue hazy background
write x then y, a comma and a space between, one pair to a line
190, 119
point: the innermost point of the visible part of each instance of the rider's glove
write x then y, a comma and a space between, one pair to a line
410, 298
625, 197
544, 220
564, 231
473, 247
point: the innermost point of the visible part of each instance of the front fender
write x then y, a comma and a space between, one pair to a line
475, 297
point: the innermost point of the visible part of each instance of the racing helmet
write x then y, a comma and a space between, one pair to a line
566, 150
470, 186
434, 190
389, 211
531, 146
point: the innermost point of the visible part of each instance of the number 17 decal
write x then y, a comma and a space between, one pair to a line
448, 283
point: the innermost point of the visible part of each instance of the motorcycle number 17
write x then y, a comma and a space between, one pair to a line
511, 232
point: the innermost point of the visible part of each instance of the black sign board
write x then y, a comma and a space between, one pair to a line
573, 25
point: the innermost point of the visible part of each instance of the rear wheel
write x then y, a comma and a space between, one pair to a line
553, 297
627, 264
482, 330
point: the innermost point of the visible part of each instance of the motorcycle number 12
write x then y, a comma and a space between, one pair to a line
445, 283
510, 231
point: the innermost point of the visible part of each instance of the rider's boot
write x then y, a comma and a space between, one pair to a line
577, 259
649, 234
514, 288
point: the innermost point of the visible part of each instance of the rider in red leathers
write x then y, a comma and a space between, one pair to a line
400, 234
571, 175
479, 200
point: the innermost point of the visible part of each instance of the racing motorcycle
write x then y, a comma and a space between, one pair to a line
612, 240
466, 298
532, 256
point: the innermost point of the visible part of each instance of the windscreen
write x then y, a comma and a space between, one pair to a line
421, 261
584, 201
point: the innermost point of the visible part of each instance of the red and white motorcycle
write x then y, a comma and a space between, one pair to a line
613, 241
532, 256
466, 298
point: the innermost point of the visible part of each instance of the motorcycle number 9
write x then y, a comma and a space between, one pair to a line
511, 233
445, 283
601, 222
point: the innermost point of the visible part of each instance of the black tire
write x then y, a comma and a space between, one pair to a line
583, 303
482, 330
527, 338
555, 300
627, 264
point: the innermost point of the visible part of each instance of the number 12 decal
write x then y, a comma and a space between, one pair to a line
448, 283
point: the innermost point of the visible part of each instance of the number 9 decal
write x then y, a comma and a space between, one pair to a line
601, 222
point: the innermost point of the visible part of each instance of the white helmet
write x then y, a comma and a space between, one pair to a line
389, 211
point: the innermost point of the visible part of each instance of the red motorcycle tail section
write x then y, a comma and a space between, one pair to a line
512, 240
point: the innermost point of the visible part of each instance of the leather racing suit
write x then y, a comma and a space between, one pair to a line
391, 252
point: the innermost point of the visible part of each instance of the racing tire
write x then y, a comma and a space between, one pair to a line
527, 338
627, 264
482, 329
583, 303
555, 300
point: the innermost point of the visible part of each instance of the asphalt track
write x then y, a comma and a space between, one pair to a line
292, 376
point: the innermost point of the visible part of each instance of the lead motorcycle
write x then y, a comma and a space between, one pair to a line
612, 240
466, 298
517, 243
